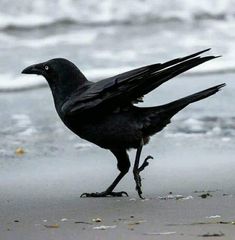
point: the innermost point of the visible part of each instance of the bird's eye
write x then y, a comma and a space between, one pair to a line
46, 67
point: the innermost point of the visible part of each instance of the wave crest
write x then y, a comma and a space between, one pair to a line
15, 14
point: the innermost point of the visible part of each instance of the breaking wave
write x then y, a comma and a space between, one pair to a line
28, 14
211, 126
32, 46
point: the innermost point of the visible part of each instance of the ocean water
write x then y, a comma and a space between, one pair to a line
108, 37
104, 38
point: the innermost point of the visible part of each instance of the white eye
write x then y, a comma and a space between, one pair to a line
46, 68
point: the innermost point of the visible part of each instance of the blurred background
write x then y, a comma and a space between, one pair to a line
109, 36
104, 38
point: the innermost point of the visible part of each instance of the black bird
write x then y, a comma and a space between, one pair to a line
103, 112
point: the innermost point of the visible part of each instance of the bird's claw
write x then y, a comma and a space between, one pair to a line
145, 163
105, 194
137, 175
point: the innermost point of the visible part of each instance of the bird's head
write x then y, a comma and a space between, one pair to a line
56, 70
62, 75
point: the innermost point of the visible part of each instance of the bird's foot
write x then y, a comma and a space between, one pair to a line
105, 194
137, 176
145, 163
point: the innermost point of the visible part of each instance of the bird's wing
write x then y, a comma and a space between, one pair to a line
127, 87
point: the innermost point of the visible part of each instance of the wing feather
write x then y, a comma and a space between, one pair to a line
127, 87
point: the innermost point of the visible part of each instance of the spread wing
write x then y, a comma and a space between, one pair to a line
123, 89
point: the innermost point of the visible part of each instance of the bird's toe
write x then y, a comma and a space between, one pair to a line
104, 194
119, 194
145, 163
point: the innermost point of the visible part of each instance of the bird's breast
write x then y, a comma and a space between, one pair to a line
108, 131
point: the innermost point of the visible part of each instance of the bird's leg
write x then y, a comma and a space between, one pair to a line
123, 166
137, 169
109, 191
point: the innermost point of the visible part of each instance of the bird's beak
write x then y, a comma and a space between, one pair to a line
34, 69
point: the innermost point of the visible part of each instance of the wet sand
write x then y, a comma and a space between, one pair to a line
119, 218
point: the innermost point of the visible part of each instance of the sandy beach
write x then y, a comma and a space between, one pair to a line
126, 218
189, 185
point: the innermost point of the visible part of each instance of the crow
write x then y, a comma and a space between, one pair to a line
104, 113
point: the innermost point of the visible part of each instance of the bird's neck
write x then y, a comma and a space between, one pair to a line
61, 93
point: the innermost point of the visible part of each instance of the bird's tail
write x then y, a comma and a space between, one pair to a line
181, 103
159, 116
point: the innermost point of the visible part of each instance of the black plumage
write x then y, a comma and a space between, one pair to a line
103, 112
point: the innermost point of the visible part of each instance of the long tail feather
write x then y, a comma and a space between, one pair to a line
183, 102
158, 117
